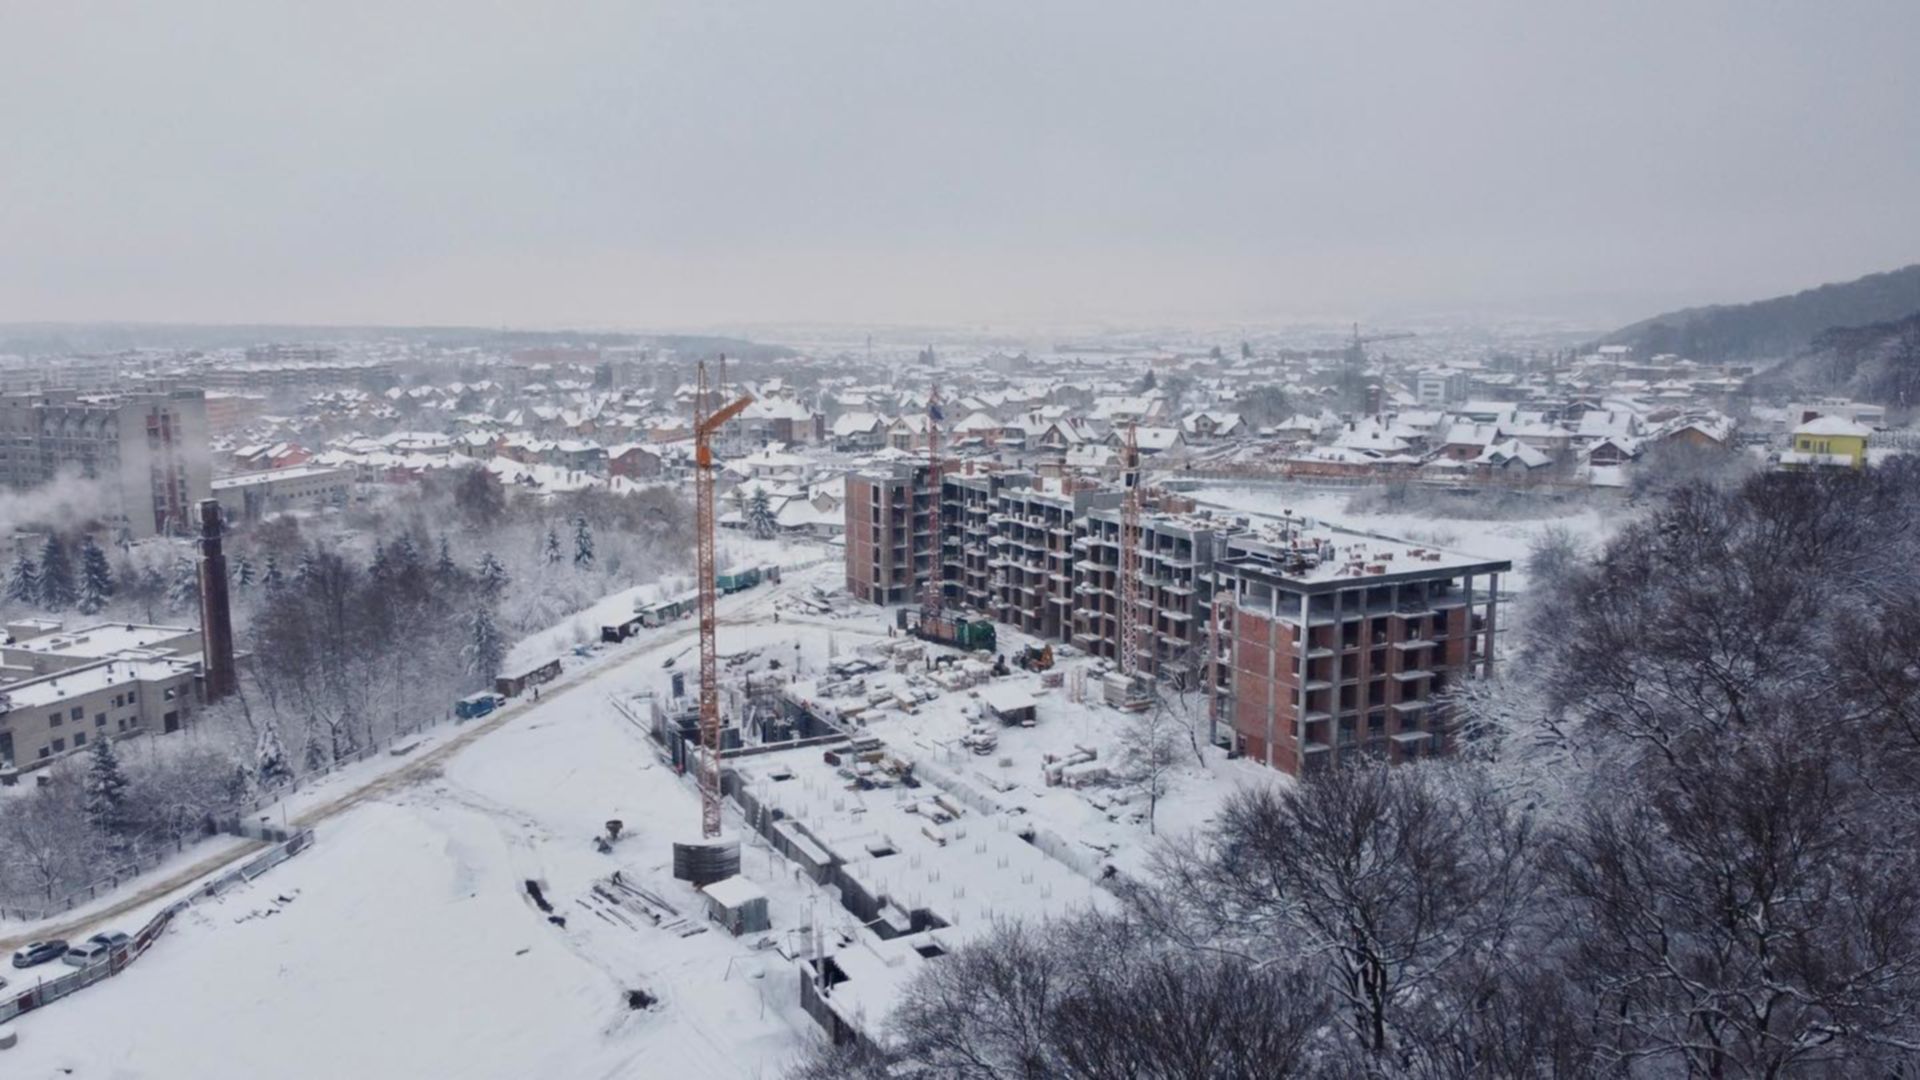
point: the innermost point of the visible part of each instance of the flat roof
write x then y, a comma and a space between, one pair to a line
103, 639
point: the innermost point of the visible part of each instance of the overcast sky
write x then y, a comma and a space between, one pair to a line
660, 165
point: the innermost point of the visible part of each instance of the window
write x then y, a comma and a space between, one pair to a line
59, 745
167, 694
99, 719
78, 713
46, 751
133, 696
56, 720
79, 738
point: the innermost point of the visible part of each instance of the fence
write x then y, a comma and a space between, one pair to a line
145, 862
43, 994
88, 893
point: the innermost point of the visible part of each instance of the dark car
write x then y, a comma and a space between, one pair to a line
39, 952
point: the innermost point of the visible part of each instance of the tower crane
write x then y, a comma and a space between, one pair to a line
705, 423
933, 598
1129, 643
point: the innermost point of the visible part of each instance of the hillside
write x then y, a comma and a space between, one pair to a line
1879, 363
1781, 327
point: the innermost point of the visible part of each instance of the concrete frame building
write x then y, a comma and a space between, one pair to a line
1327, 642
1174, 561
1344, 643
889, 535
1031, 553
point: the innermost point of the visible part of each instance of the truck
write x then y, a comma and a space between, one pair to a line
954, 630
737, 581
477, 705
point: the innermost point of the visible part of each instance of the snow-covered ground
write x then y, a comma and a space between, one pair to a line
404, 944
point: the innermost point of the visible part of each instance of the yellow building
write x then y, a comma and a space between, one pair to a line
1828, 442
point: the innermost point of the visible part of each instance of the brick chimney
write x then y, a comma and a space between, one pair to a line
216, 619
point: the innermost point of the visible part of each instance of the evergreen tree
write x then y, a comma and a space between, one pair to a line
760, 517
23, 580
446, 570
486, 650
270, 758
381, 568
96, 577
551, 551
243, 574
271, 576
304, 570
406, 558
493, 576
106, 789
57, 592
184, 592
582, 544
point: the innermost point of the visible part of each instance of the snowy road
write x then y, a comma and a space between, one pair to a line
404, 945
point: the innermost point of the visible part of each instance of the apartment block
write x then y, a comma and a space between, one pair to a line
1030, 552
889, 533
1345, 644
1174, 569
968, 502
147, 450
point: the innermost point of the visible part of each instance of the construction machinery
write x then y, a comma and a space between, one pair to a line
706, 421
1034, 658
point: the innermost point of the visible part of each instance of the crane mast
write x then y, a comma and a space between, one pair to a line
705, 423
933, 598
1129, 643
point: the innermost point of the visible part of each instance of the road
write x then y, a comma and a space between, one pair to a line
386, 782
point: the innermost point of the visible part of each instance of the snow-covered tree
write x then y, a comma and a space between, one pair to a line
760, 517
550, 551
23, 580
381, 567
270, 758
57, 591
106, 788
96, 577
486, 649
243, 572
183, 592
582, 544
493, 576
271, 577
445, 570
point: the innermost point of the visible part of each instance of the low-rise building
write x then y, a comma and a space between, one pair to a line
59, 690
251, 496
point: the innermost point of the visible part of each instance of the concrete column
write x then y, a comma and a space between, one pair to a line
1300, 709
1493, 607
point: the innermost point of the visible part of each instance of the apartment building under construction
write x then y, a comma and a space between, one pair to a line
1345, 643
1315, 643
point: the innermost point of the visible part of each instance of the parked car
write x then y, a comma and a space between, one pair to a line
95, 949
38, 952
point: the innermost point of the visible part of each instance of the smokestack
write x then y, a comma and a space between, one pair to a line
216, 620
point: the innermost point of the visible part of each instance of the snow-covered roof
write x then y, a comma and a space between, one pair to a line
1833, 425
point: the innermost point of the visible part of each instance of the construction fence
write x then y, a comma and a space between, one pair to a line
42, 994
